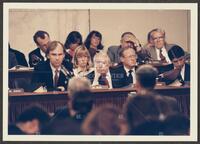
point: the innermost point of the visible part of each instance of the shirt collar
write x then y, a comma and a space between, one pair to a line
127, 70
158, 49
53, 68
43, 54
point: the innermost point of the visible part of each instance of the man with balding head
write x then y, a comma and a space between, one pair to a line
128, 39
159, 48
41, 39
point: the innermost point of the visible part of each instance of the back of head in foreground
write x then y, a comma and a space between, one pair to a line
176, 124
82, 103
78, 84
146, 78
31, 120
105, 120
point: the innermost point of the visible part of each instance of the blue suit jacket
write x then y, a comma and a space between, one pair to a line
44, 76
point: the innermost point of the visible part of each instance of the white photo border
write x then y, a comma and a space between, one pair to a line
192, 7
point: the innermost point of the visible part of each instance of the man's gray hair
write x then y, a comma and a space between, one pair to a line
157, 30
102, 55
78, 84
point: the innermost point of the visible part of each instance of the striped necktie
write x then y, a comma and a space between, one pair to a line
56, 77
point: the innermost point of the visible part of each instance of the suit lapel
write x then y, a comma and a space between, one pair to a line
91, 76
39, 54
50, 75
187, 73
119, 78
62, 81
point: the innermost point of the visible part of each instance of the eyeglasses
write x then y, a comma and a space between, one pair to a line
131, 56
158, 38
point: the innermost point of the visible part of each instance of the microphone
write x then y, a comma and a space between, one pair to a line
66, 72
35, 59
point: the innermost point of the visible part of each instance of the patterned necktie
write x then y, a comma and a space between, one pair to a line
162, 57
56, 77
130, 77
103, 80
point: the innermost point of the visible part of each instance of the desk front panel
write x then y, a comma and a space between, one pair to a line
50, 101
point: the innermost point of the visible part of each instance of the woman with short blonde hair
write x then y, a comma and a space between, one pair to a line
82, 61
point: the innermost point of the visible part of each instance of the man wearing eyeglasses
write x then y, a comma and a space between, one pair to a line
125, 73
102, 76
160, 48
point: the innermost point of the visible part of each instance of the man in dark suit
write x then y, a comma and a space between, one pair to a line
125, 73
51, 73
20, 57
159, 48
178, 72
41, 39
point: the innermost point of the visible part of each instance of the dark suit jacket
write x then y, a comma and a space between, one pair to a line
44, 75
12, 60
120, 76
66, 62
171, 67
21, 60
37, 53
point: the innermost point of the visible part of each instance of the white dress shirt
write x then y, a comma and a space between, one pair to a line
164, 52
132, 73
183, 72
43, 55
54, 69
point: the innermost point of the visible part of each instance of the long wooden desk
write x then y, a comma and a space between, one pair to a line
21, 78
50, 101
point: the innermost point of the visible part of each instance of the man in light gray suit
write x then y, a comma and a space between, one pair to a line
128, 39
158, 50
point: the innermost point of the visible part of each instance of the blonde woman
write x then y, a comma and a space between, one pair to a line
82, 61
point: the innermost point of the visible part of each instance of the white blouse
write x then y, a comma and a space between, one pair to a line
79, 73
